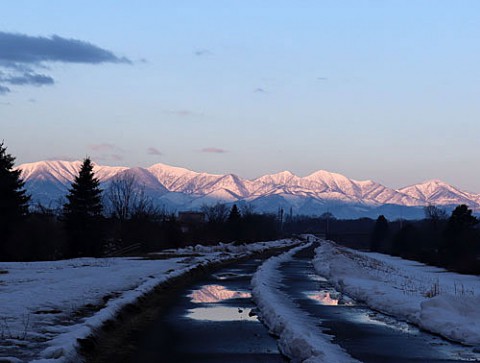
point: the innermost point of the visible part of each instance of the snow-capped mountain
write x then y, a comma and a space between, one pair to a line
180, 188
438, 192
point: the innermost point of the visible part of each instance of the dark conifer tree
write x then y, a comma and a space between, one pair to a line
13, 199
83, 212
461, 245
379, 234
234, 228
234, 215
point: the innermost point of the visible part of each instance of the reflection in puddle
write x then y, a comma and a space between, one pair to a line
315, 277
324, 298
384, 320
229, 276
331, 298
216, 293
221, 313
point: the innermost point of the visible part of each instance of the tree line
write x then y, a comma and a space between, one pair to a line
451, 241
118, 220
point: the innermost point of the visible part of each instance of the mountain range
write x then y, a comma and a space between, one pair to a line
179, 189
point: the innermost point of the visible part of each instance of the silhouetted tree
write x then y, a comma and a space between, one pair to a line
379, 234
406, 241
216, 214
462, 244
434, 215
234, 224
13, 199
82, 213
234, 215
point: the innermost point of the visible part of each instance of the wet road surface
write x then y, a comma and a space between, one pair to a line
366, 335
210, 322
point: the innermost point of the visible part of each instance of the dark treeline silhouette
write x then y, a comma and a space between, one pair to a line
451, 241
119, 220
123, 219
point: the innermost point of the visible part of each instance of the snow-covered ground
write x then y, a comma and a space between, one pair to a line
300, 338
442, 302
46, 306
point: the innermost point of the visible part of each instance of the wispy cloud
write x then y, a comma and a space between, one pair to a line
214, 150
108, 157
106, 152
62, 157
182, 113
33, 79
116, 157
4, 90
104, 147
22, 56
202, 52
153, 151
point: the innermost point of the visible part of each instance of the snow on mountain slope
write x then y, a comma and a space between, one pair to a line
438, 192
64, 171
370, 190
173, 178
55, 170
144, 179
325, 185
180, 188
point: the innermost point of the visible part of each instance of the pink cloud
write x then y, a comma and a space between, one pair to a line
153, 151
104, 147
214, 150
182, 113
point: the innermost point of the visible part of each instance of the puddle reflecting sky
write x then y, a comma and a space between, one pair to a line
315, 277
324, 298
229, 276
384, 320
331, 298
221, 313
215, 294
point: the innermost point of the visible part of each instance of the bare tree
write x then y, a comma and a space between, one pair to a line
127, 199
247, 209
434, 214
217, 213
143, 206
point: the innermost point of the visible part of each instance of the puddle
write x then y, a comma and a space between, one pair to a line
384, 320
315, 277
330, 298
324, 298
229, 276
221, 313
216, 293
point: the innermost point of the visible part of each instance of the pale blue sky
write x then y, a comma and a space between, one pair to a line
383, 90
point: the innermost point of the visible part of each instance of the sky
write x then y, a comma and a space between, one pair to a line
382, 90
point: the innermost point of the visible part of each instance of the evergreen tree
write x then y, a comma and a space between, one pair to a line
83, 212
234, 227
13, 199
234, 215
462, 242
379, 234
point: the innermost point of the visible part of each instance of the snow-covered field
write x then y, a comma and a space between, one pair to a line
442, 302
299, 337
46, 306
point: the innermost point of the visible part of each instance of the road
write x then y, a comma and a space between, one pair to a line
211, 322
367, 335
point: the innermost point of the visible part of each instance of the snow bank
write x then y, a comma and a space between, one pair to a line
299, 338
45, 307
442, 302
